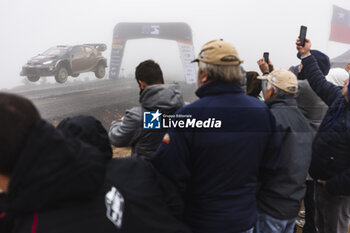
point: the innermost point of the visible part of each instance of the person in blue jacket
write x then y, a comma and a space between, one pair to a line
219, 146
330, 164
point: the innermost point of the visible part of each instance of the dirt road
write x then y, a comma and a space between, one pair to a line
104, 99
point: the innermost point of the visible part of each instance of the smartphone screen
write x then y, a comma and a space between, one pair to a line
302, 35
266, 57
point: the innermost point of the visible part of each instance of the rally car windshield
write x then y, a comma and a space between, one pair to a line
54, 51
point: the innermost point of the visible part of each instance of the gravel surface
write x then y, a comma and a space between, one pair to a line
104, 99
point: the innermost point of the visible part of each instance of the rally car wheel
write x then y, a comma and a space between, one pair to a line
33, 78
100, 71
61, 75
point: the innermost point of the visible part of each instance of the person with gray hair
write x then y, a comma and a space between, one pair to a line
217, 167
221, 73
279, 199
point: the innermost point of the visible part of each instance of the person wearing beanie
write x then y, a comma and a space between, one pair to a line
330, 165
322, 60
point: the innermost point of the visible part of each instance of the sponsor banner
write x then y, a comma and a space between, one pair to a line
187, 55
180, 32
150, 29
116, 58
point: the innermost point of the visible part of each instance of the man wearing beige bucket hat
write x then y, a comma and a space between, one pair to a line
280, 198
217, 169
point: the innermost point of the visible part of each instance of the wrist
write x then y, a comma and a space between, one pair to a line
306, 54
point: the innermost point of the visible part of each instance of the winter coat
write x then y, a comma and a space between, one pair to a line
53, 172
281, 195
129, 131
66, 182
217, 169
312, 107
330, 150
6, 221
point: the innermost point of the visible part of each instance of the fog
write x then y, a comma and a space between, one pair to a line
30, 27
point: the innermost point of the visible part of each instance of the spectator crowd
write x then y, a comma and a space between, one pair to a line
283, 140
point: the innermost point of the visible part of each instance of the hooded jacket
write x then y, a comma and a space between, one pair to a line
66, 182
330, 149
281, 196
166, 98
54, 170
312, 107
217, 169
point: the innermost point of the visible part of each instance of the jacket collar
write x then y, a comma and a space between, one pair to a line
216, 88
287, 101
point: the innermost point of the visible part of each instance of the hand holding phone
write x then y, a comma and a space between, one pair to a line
264, 67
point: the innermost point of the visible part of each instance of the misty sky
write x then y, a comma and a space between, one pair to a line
253, 26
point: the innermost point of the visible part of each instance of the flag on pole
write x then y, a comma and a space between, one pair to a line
340, 25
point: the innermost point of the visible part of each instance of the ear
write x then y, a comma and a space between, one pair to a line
203, 78
269, 93
142, 84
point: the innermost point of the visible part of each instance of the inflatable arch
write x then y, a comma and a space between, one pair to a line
180, 32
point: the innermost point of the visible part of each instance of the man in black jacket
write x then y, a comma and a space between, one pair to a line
330, 164
279, 199
64, 180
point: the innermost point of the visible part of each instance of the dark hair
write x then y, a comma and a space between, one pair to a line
253, 84
87, 129
149, 72
17, 116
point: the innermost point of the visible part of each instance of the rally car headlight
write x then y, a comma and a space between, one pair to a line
47, 62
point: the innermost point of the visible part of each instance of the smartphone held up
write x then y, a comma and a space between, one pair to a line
266, 57
302, 35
